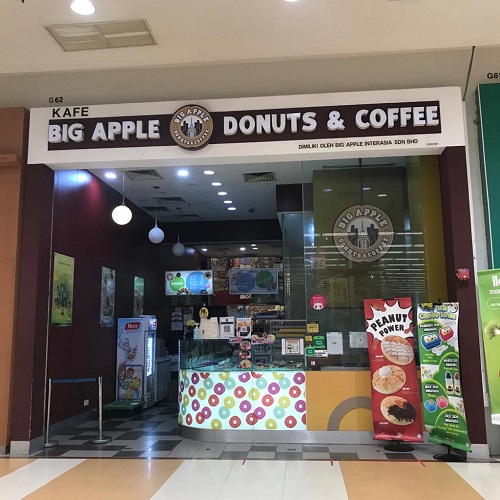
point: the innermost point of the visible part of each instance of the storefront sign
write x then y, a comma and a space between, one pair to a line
444, 412
395, 393
62, 290
319, 124
363, 233
489, 302
489, 125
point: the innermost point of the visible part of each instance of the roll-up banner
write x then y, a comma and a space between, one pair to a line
444, 412
395, 392
489, 303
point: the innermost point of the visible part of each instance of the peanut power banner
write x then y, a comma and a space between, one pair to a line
489, 302
444, 412
395, 391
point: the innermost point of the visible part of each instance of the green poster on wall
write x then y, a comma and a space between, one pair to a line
138, 296
444, 411
489, 303
62, 290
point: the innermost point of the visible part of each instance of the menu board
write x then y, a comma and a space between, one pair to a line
395, 390
253, 281
189, 283
444, 411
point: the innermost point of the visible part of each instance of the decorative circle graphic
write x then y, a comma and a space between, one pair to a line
271, 424
284, 383
202, 394
363, 233
279, 412
224, 412
254, 394
274, 388
219, 389
261, 383
195, 405
230, 383
284, 402
191, 127
229, 402
216, 424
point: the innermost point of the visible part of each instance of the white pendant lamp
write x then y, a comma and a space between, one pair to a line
156, 235
122, 214
82, 7
178, 249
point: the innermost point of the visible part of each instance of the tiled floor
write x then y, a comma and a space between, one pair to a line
177, 479
152, 433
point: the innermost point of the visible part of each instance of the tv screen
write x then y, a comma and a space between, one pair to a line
189, 283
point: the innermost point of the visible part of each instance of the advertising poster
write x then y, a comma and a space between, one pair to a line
444, 412
189, 283
107, 313
62, 290
489, 303
395, 391
138, 296
253, 281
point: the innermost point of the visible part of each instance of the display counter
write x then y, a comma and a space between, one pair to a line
218, 396
221, 387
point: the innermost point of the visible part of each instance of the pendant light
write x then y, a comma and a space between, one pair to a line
122, 214
178, 249
156, 235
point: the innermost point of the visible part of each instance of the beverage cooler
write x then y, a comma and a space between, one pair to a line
135, 360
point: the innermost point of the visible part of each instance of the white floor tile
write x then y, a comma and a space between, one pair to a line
185, 449
183, 484
89, 454
254, 478
29, 478
313, 480
367, 452
484, 478
155, 454
210, 450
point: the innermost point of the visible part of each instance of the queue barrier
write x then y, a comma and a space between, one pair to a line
99, 439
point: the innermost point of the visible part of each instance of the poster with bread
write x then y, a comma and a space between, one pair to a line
395, 388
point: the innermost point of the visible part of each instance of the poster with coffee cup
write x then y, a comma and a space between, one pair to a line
395, 391
444, 411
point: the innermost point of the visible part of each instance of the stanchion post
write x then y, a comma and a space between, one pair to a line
49, 444
100, 439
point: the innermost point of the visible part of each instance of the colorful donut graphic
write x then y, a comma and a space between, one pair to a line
192, 390
202, 394
261, 383
254, 394
273, 388
195, 405
245, 406
224, 412
294, 391
240, 392
300, 406
216, 424
235, 422
244, 377
290, 422
230, 383
279, 412
284, 383
228, 402
260, 413
219, 389
271, 424
206, 412
200, 418
284, 402
299, 378
251, 419
189, 419
213, 400
267, 400
195, 378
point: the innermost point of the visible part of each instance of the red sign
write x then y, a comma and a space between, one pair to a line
132, 325
395, 389
318, 302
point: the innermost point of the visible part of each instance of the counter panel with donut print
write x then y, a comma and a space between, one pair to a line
242, 400
395, 389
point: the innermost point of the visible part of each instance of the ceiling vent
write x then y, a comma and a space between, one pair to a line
143, 175
106, 35
170, 200
260, 177
155, 208
187, 216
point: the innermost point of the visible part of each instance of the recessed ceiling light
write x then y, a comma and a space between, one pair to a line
209, 172
381, 195
227, 201
328, 190
242, 248
204, 249
252, 244
222, 193
82, 7
232, 208
255, 248
291, 1
110, 175
182, 173
216, 184
366, 188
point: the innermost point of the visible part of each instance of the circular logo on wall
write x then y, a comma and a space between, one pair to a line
363, 233
191, 127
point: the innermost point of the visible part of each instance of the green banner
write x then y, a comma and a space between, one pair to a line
489, 303
444, 411
62, 290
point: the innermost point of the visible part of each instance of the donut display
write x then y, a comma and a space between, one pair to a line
244, 400
397, 350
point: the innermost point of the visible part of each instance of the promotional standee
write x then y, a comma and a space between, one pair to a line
135, 360
444, 412
489, 302
395, 392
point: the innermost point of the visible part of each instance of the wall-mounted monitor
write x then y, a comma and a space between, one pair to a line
253, 281
189, 283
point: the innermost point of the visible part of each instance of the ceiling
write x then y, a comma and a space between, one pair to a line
194, 32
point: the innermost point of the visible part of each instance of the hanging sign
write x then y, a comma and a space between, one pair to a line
489, 303
395, 393
444, 412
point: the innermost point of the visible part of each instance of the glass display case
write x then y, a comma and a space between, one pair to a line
260, 354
